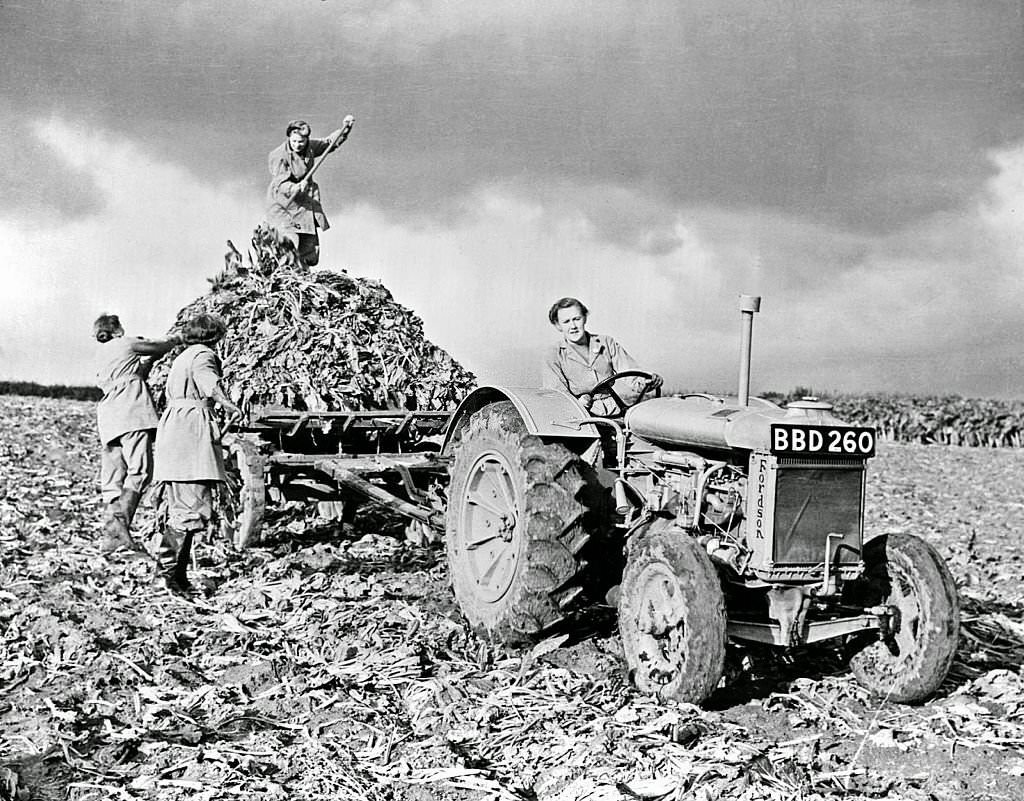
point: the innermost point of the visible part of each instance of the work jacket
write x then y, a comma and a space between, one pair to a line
127, 403
302, 212
565, 368
188, 437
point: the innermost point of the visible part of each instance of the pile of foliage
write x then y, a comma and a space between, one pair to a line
319, 341
928, 419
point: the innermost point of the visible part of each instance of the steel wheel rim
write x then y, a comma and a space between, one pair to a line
902, 596
489, 523
231, 506
659, 622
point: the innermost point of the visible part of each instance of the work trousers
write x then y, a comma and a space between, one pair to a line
306, 245
188, 506
126, 463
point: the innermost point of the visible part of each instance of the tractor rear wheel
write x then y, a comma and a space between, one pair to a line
672, 616
908, 663
242, 497
514, 528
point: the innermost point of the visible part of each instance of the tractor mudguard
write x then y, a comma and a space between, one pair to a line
546, 413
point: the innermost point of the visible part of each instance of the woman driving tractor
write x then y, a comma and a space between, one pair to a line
582, 364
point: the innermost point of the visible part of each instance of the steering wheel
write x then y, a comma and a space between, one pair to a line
608, 386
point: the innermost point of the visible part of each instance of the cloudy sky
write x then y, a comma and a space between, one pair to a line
859, 164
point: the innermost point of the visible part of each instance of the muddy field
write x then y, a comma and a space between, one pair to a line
332, 664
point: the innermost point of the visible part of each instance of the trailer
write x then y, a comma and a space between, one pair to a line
342, 458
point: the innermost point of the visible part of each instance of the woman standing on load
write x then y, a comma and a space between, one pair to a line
126, 419
188, 451
293, 197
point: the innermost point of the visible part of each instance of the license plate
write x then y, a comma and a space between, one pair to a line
795, 439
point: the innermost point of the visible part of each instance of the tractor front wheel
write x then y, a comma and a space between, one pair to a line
672, 616
514, 527
909, 661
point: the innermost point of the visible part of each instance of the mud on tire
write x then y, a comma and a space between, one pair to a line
907, 573
514, 528
672, 616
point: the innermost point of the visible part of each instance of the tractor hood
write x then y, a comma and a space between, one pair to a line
708, 421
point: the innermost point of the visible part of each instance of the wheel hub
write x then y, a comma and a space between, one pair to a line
659, 620
490, 519
904, 615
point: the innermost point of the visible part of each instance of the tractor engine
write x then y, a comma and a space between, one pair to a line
706, 497
776, 495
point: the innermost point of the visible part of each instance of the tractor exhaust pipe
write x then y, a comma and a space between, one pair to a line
749, 306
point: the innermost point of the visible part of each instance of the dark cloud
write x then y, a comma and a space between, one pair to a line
39, 186
857, 114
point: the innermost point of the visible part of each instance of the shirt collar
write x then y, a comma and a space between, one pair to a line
596, 344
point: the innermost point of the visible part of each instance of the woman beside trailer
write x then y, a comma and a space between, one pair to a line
188, 450
126, 419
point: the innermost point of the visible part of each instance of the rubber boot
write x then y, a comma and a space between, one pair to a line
115, 530
129, 504
171, 568
182, 562
309, 250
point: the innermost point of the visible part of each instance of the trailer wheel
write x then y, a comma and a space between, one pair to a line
514, 527
907, 574
672, 616
242, 497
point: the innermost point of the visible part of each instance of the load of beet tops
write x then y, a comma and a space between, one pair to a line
319, 340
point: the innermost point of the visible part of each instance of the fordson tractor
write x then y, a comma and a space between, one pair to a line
704, 519
738, 519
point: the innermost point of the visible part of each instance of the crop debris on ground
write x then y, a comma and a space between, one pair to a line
332, 663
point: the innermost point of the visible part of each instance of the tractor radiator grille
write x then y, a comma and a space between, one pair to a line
813, 500
820, 461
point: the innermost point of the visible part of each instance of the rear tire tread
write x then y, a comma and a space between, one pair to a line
547, 584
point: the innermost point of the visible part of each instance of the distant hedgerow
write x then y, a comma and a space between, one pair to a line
33, 389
